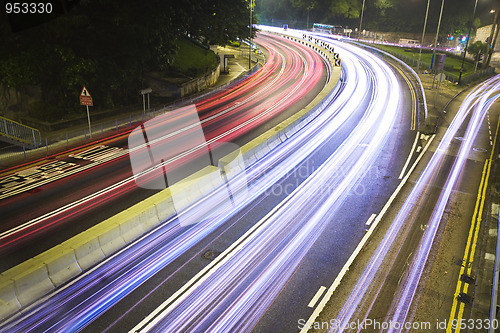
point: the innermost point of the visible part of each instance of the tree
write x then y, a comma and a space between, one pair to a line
347, 8
477, 49
109, 46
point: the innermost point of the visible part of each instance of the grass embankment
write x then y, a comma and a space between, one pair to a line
453, 63
193, 60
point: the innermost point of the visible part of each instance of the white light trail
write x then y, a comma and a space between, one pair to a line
480, 99
233, 294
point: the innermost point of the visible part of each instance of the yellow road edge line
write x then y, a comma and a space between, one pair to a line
466, 252
476, 220
413, 99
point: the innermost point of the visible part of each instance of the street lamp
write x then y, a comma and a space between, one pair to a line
361, 18
437, 34
467, 43
250, 37
423, 35
493, 38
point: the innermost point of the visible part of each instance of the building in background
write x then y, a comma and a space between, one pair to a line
483, 34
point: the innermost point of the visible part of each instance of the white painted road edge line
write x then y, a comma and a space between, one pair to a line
154, 317
409, 156
316, 297
347, 265
370, 220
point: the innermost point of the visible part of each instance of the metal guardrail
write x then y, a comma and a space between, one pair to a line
19, 134
413, 77
449, 76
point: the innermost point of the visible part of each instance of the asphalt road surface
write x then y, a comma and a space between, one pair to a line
257, 266
44, 204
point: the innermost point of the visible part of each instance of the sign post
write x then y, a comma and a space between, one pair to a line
143, 92
440, 78
86, 99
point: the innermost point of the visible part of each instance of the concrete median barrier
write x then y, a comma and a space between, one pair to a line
110, 239
192, 188
137, 220
9, 303
148, 215
164, 205
33, 283
87, 251
28, 281
208, 179
63, 268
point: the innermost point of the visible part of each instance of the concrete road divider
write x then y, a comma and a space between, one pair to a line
164, 205
193, 188
210, 178
63, 268
32, 283
111, 239
30, 280
147, 212
8, 299
87, 250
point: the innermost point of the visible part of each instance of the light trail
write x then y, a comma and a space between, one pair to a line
277, 244
479, 100
234, 292
164, 244
224, 116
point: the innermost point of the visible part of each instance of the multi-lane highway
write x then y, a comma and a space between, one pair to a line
388, 285
257, 264
54, 199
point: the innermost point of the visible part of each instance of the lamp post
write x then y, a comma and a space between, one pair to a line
423, 35
467, 43
250, 37
493, 37
307, 23
361, 18
437, 34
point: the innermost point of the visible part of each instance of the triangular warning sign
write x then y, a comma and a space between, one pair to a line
85, 92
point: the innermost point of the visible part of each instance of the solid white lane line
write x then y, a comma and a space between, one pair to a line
370, 220
347, 265
409, 156
316, 297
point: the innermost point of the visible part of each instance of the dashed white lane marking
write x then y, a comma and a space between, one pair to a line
316, 297
370, 220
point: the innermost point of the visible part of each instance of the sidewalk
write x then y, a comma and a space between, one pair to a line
437, 98
436, 291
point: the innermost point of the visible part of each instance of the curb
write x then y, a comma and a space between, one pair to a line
36, 277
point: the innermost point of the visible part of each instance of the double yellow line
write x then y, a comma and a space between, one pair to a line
470, 248
413, 123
